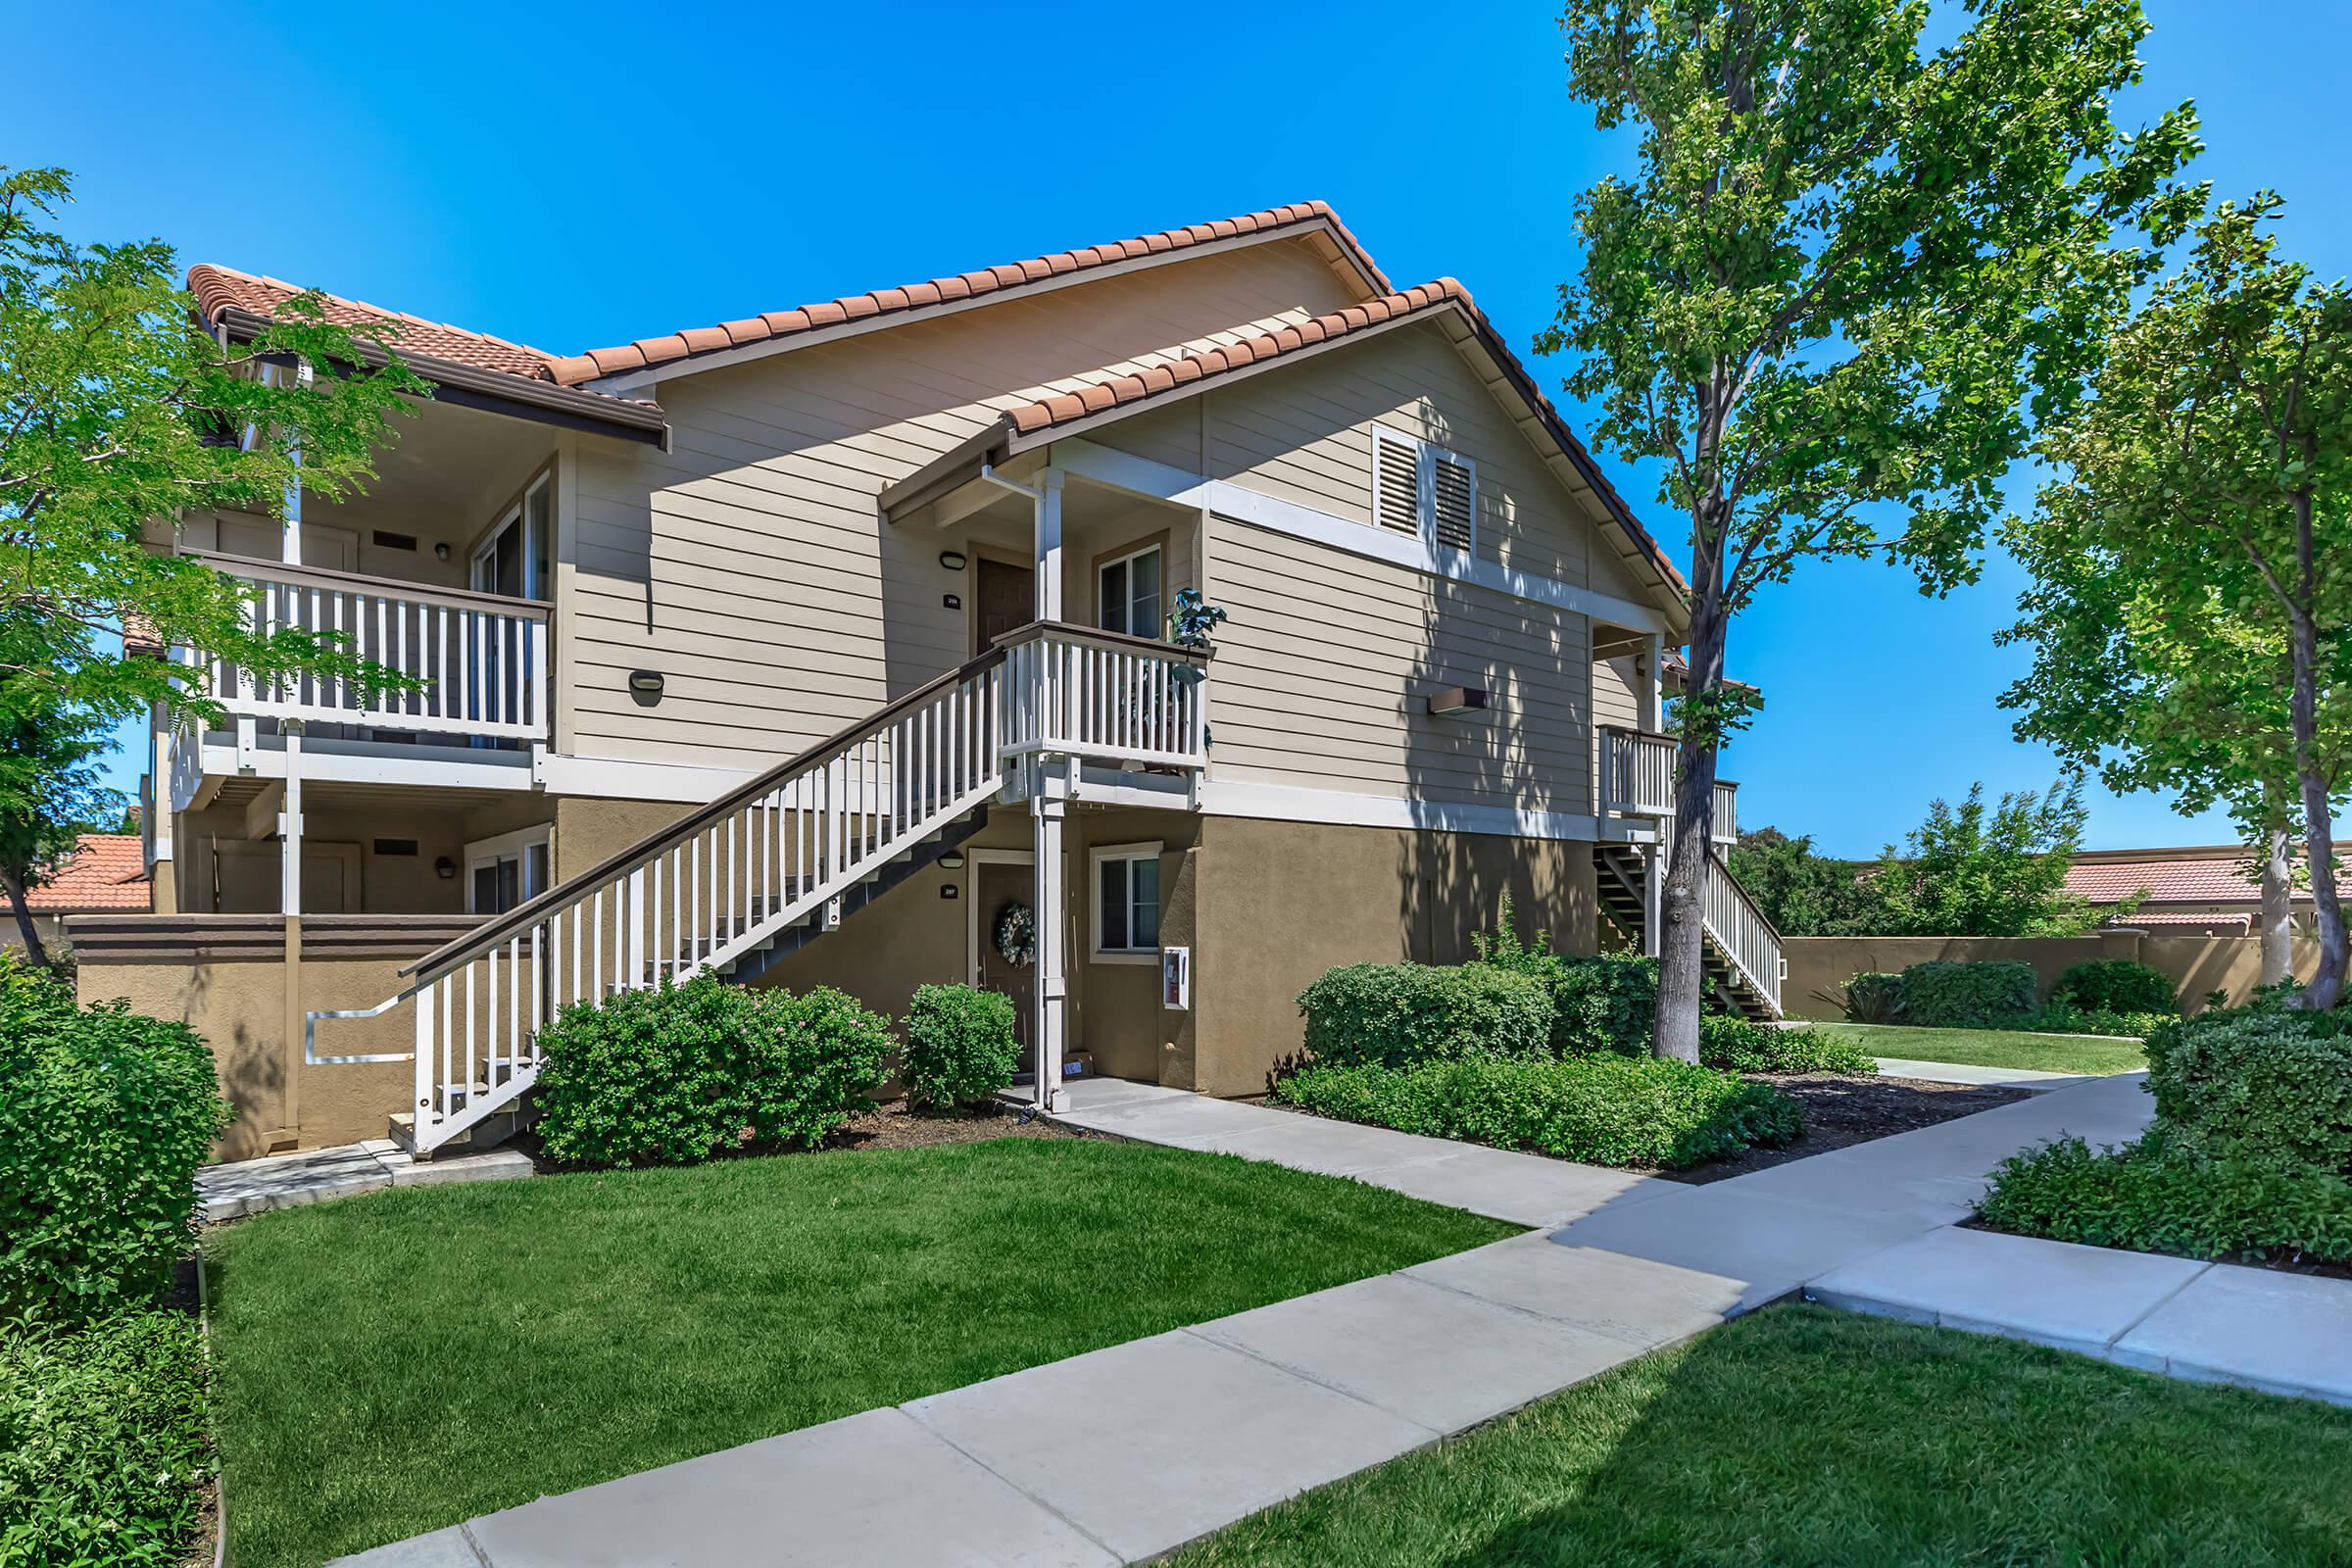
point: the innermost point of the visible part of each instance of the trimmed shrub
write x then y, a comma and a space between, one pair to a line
1399, 1015
678, 1074
2117, 985
102, 1439
105, 1115
2150, 1198
1607, 1003
1874, 999
1604, 1109
959, 1046
2065, 1018
1995, 994
2270, 1087
1740, 1045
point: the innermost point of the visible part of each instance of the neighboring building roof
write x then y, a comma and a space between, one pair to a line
768, 325
108, 871
2214, 922
2205, 873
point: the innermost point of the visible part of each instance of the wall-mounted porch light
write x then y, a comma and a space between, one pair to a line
645, 685
1458, 700
953, 861
443, 868
953, 560
440, 552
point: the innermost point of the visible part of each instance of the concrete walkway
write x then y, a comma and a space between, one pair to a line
1131, 1451
344, 1170
1957, 1072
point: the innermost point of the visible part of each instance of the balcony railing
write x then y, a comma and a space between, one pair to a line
1637, 779
480, 660
1102, 696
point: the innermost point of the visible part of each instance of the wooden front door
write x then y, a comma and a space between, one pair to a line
996, 884
1007, 598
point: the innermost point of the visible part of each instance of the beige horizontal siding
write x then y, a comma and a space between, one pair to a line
1324, 673
749, 564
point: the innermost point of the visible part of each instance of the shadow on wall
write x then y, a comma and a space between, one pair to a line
1819, 967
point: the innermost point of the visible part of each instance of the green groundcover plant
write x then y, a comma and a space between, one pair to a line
103, 1452
1603, 1108
2067, 1018
105, 1115
2270, 1086
2151, 1197
680, 1074
1740, 1045
959, 1046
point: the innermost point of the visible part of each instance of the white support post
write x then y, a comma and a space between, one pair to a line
1048, 807
1653, 693
1653, 895
289, 829
1048, 544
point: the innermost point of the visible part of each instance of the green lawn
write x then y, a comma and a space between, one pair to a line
1801, 1436
386, 1365
1994, 1047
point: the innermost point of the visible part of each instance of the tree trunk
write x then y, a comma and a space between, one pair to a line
1683, 900
2278, 907
2318, 821
13, 881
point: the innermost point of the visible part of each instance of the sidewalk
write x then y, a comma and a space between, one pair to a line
1131, 1451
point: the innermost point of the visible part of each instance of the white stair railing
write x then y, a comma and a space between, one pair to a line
1636, 772
1745, 938
701, 894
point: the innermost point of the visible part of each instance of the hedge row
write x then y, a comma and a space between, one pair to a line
2103, 996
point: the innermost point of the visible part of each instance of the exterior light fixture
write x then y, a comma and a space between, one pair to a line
443, 868
646, 684
953, 560
441, 551
1458, 700
953, 861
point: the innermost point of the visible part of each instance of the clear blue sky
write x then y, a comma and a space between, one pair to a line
577, 175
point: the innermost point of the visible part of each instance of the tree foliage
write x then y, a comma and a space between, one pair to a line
50, 748
1801, 893
1848, 274
2190, 606
120, 414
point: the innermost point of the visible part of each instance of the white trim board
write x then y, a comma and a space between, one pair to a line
1286, 802
1157, 482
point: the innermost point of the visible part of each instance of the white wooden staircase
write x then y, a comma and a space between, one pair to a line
786, 856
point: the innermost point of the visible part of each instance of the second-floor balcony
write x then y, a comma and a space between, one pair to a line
1636, 780
475, 665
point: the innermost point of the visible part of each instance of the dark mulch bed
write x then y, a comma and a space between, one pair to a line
892, 1125
1841, 1112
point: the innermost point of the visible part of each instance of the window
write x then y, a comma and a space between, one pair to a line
507, 870
1127, 904
1423, 491
1127, 593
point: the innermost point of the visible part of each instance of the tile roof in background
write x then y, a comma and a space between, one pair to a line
771, 325
220, 288
108, 871
2217, 874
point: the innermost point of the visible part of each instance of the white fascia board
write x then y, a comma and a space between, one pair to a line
1285, 802
623, 383
622, 779
1159, 481
388, 765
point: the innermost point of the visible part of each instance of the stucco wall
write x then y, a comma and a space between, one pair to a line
1280, 903
1820, 966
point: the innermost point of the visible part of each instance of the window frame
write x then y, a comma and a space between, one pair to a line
1097, 858
516, 847
1425, 487
1127, 559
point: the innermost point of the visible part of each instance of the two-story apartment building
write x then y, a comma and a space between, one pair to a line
831, 645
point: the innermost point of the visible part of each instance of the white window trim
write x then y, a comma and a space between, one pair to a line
481, 852
1425, 488
1128, 561
1097, 953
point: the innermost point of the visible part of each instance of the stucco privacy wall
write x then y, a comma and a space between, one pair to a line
225, 977
1280, 903
749, 564
1820, 966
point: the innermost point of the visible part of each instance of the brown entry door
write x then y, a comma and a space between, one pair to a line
1007, 599
994, 886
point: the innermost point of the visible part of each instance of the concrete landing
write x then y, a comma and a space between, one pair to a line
313, 1175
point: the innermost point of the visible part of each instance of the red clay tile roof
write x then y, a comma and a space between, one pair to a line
2208, 919
2169, 876
108, 871
770, 325
220, 288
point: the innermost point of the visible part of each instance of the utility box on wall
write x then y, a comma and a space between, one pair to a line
1176, 979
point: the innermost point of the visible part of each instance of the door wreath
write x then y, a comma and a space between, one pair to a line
1016, 934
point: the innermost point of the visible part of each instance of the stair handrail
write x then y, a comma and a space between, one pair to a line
646, 851
1720, 870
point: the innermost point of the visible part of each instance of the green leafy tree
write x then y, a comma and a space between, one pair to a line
50, 749
1801, 893
2194, 552
1846, 275
1976, 871
120, 414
